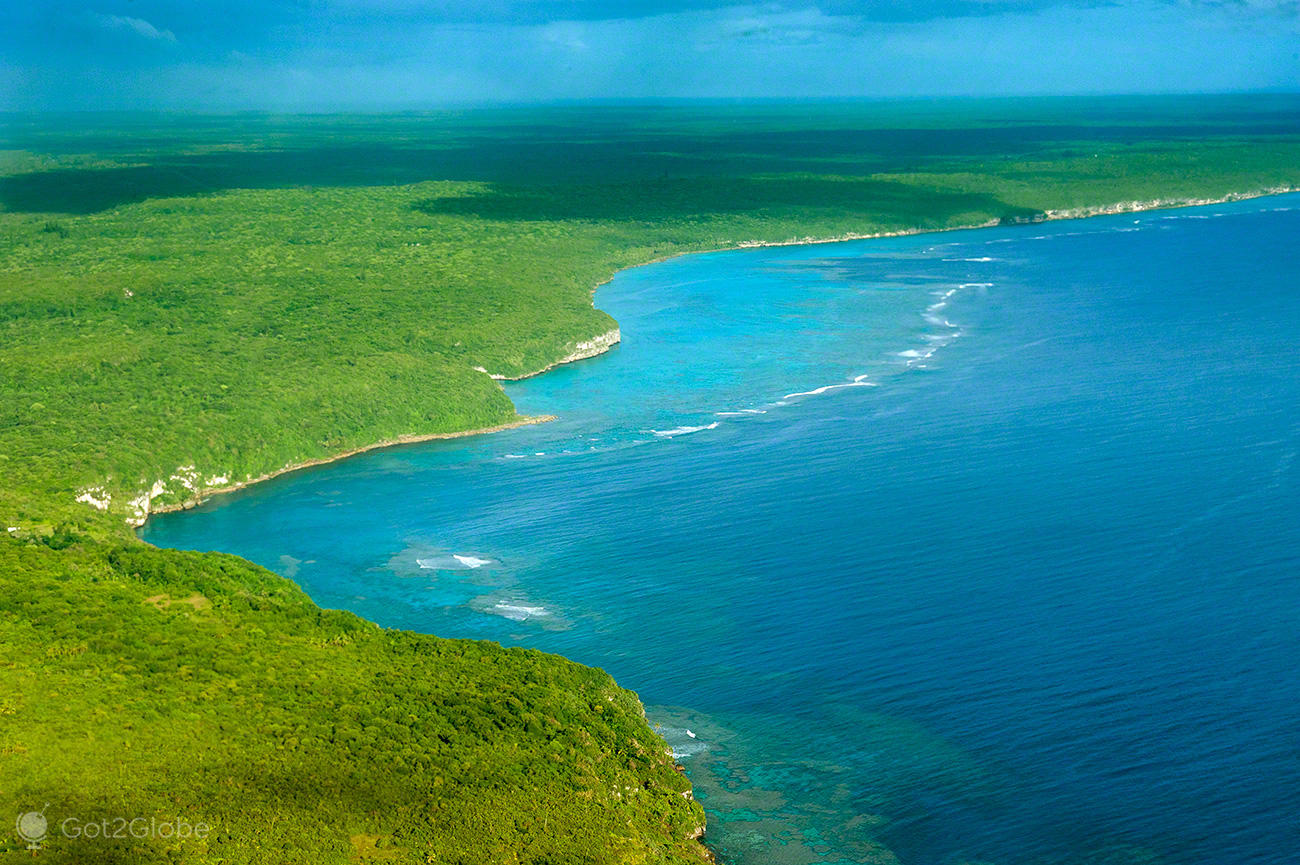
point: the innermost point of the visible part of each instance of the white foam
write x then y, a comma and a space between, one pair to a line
981, 258
682, 742
518, 612
915, 356
860, 381
932, 316
452, 563
515, 457
682, 430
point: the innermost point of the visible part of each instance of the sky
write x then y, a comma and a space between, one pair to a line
310, 55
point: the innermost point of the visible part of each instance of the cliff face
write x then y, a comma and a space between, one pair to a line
580, 351
1137, 206
592, 347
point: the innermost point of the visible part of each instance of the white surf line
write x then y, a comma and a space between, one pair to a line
518, 612
681, 430
932, 315
859, 381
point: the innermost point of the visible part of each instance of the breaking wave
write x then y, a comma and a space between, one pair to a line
682, 430
518, 612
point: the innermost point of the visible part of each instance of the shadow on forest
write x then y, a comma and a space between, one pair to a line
665, 199
557, 153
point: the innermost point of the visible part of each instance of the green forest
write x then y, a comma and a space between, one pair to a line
190, 302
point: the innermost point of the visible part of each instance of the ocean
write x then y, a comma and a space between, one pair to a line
979, 546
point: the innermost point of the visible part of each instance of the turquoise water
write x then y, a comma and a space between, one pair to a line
970, 546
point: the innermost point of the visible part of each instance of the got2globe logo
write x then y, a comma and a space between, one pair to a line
33, 827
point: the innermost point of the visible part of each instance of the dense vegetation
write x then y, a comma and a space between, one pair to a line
192, 301
151, 683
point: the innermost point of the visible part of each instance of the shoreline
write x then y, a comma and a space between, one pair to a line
1050, 215
413, 438
602, 343
582, 350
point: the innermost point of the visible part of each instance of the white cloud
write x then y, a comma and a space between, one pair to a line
1286, 8
566, 34
139, 26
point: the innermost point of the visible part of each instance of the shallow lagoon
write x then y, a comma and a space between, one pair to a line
970, 546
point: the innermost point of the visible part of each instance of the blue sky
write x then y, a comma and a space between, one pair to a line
323, 54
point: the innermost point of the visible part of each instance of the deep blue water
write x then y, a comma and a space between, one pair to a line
1024, 592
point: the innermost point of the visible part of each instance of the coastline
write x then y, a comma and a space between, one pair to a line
603, 343
1051, 215
598, 345
203, 495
